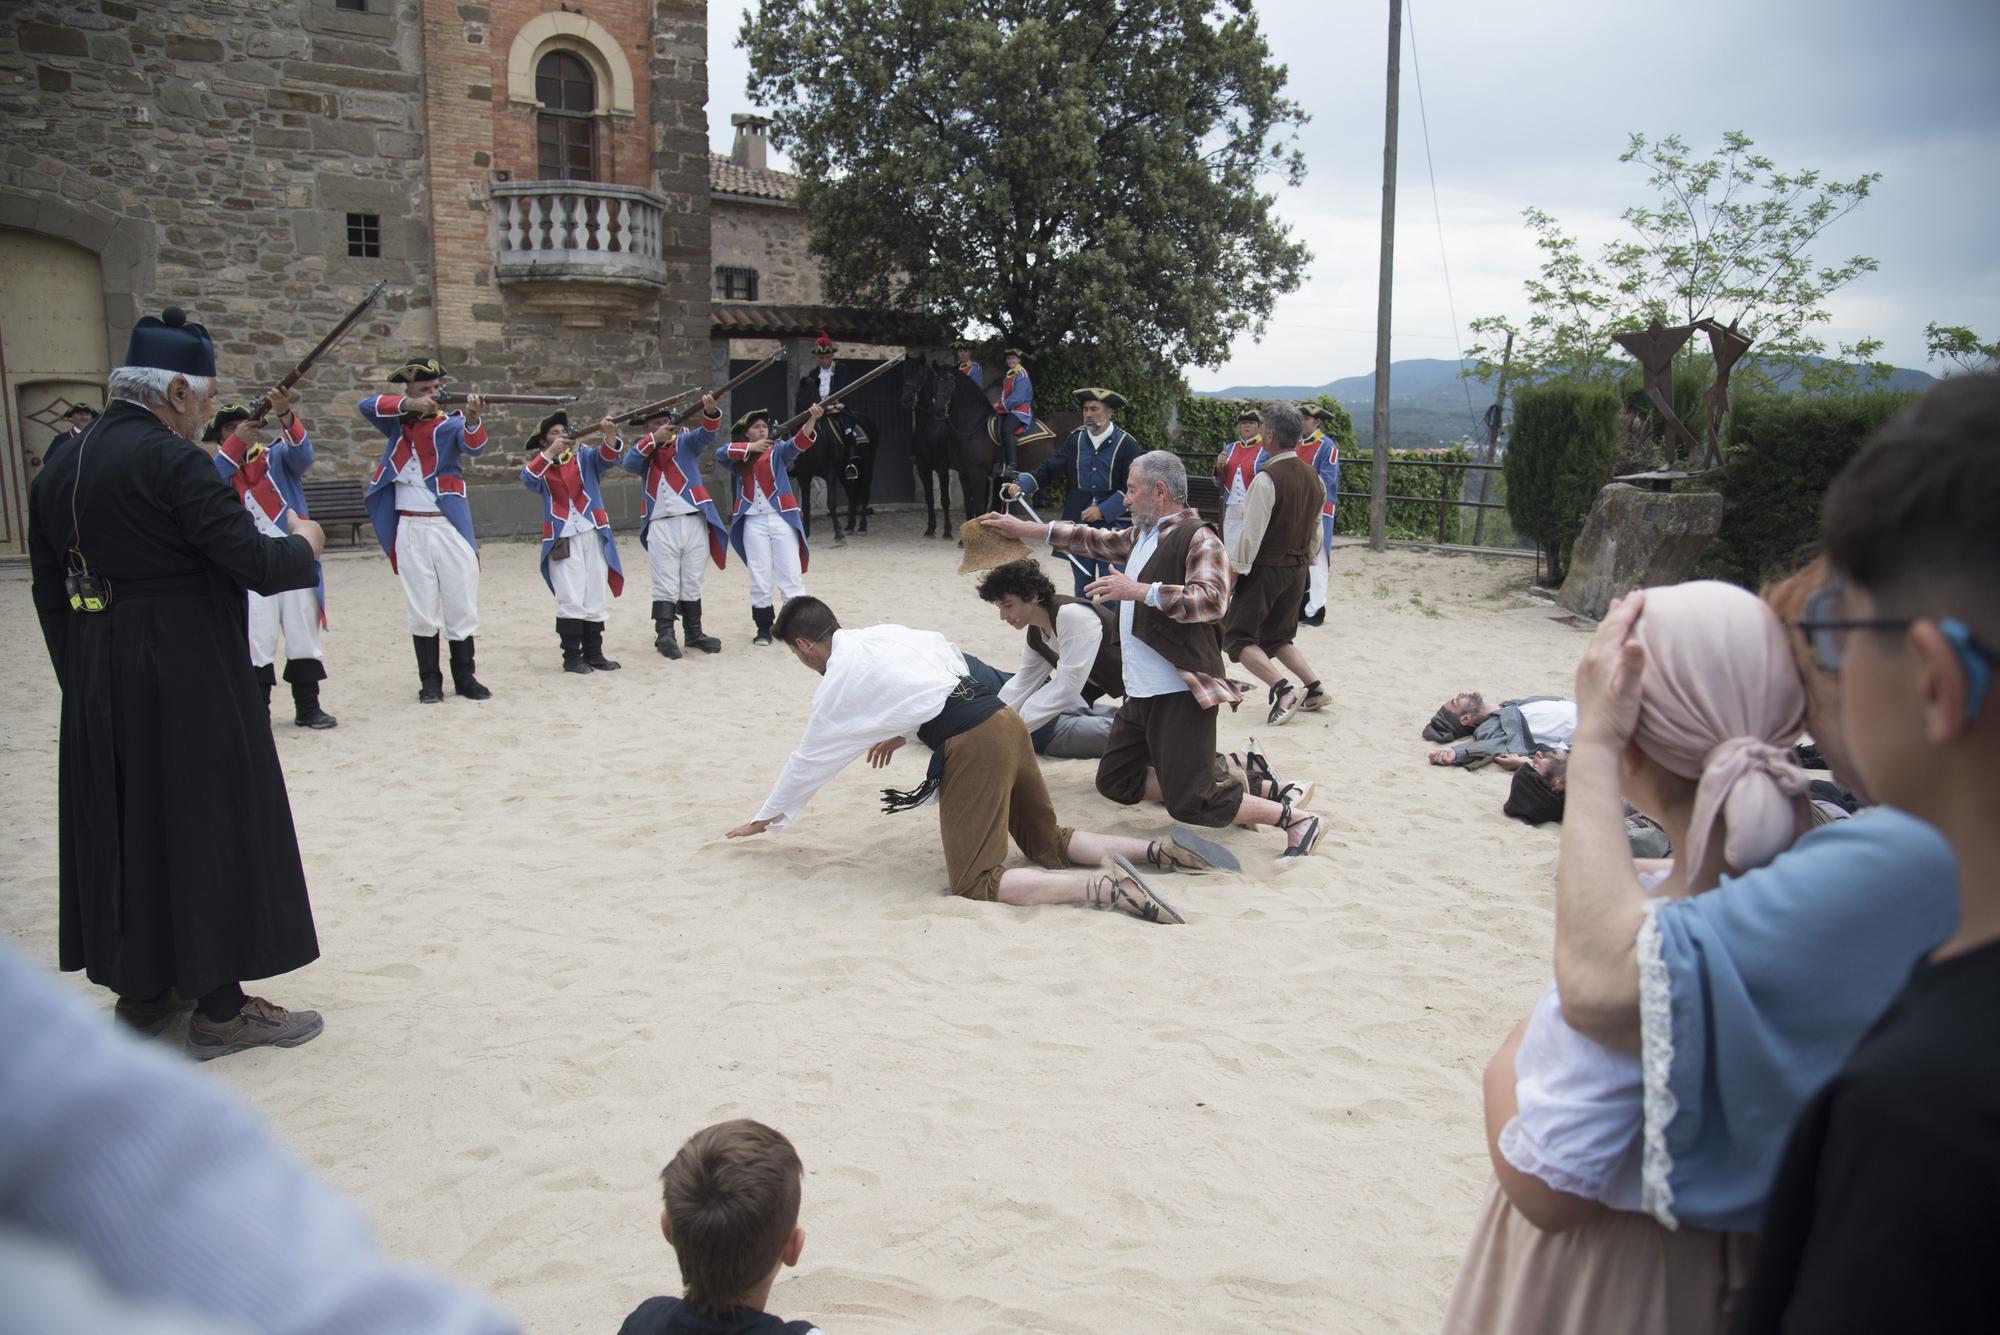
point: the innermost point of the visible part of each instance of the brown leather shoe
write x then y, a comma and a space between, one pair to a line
152, 1018
259, 1024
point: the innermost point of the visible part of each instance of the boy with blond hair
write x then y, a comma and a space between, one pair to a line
732, 1218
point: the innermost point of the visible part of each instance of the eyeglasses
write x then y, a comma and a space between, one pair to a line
1826, 634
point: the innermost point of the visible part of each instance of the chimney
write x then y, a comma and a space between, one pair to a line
750, 140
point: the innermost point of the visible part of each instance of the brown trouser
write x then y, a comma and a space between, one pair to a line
1175, 737
992, 788
1264, 610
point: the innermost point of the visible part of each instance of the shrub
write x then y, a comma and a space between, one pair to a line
1782, 452
1564, 439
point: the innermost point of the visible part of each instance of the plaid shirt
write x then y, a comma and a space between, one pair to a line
1203, 594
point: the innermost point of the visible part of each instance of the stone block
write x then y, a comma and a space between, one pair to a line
1636, 539
325, 18
381, 81
382, 108
51, 80
284, 99
344, 137
124, 80
399, 144
50, 39
360, 55
341, 190
206, 50
277, 43
266, 137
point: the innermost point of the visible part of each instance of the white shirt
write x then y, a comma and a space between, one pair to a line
825, 382
1097, 438
1146, 673
1553, 722
881, 682
1039, 692
411, 492
1581, 1114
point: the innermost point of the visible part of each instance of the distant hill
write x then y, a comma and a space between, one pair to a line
1427, 398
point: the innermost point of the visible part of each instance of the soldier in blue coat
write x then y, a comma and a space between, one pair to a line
1092, 463
1016, 409
962, 354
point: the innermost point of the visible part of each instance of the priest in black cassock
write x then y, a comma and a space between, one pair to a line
180, 872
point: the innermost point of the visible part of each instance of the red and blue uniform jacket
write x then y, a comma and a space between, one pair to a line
570, 481
1017, 396
771, 472
439, 445
1323, 453
679, 470
1240, 461
269, 477
973, 371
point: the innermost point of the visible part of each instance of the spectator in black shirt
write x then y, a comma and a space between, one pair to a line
1886, 1211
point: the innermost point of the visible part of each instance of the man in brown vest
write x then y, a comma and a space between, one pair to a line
1275, 547
1162, 745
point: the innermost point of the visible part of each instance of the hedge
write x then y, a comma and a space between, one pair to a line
1783, 451
1559, 456
1407, 521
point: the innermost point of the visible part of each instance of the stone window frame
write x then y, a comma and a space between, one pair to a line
585, 38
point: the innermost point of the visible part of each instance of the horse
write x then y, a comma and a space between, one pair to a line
927, 391
844, 449
963, 420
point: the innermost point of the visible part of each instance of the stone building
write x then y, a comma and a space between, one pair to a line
531, 182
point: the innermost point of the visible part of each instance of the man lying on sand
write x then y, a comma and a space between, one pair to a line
1517, 728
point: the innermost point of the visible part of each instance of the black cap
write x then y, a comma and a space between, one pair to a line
417, 368
167, 342
228, 415
556, 418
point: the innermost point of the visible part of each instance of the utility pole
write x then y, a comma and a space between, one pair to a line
1378, 500
1493, 416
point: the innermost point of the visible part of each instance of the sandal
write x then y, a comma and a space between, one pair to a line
1259, 781
1284, 703
1187, 852
1123, 888
1315, 699
1314, 827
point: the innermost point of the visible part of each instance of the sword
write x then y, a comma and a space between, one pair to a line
1022, 501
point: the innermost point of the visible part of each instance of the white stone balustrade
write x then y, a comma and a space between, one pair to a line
577, 231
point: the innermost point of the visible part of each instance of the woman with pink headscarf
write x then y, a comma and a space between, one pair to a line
1565, 1243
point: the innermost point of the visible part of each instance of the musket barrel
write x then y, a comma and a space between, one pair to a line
261, 406
842, 392
544, 400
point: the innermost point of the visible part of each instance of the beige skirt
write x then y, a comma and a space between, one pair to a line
1618, 1272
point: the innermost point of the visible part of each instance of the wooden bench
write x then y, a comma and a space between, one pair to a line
337, 501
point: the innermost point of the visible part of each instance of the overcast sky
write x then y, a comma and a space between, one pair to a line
1531, 104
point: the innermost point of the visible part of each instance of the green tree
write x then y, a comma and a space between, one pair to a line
1727, 238
1065, 171
1961, 347
1559, 456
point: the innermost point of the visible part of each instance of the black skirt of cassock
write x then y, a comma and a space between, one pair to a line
180, 864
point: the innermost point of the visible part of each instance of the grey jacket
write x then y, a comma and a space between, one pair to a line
1503, 733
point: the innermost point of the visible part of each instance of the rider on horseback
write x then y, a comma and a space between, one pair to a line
1017, 397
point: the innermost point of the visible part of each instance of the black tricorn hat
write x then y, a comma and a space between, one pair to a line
170, 342
76, 407
824, 346
1015, 352
417, 368
754, 415
1250, 415
640, 419
228, 415
1312, 410
556, 418
1110, 398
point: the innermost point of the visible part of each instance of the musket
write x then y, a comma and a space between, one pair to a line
261, 406
669, 405
789, 427
445, 396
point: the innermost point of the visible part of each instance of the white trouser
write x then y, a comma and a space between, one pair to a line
296, 612
1232, 524
579, 578
1316, 584
440, 575
771, 550
677, 548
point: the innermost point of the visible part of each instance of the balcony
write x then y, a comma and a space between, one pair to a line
581, 249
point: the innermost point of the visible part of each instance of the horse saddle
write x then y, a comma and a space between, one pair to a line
1039, 431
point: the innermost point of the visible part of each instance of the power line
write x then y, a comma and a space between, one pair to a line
1437, 213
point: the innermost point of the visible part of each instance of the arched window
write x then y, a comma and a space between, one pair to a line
566, 128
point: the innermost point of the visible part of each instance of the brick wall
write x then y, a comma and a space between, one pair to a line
623, 154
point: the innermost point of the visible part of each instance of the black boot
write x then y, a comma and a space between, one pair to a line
572, 646
430, 688
663, 629
462, 680
305, 675
764, 617
691, 619
593, 646
267, 677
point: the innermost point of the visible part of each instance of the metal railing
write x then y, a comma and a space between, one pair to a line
1445, 504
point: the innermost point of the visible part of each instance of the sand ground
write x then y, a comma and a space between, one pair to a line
543, 967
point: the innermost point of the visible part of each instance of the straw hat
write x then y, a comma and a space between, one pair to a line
985, 548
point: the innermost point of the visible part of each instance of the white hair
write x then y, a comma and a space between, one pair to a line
1164, 466
147, 386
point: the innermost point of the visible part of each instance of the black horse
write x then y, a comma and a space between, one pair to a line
952, 418
844, 449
